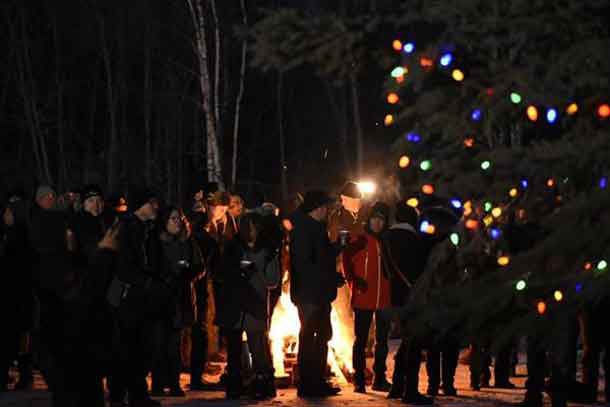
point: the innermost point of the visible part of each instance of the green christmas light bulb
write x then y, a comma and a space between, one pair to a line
425, 165
602, 265
521, 284
485, 165
515, 98
488, 206
455, 239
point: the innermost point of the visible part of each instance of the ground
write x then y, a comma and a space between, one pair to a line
288, 398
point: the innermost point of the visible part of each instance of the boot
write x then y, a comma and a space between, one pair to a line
417, 399
381, 383
26, 377
269, 387
531, 401
234, 388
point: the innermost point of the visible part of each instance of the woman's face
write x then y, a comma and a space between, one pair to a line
174, 223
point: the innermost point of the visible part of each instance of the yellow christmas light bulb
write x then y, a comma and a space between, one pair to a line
503, 261
388, 120
513, 192
404, 161
558, 295
413, 202
572, 109
488, 220
457, 75
496, 212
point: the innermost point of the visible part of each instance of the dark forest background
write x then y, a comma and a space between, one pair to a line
108, 92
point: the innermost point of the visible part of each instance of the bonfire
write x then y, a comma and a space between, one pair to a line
284, 336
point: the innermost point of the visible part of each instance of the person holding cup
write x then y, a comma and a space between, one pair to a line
313, 287
250, 267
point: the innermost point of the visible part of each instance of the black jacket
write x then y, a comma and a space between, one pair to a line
181, 278
313, 262
52, 261
245, 294
88, 231
406, 253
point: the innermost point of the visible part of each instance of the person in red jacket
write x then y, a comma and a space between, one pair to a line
370, 285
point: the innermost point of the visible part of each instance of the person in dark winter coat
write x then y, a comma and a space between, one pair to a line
313, 287
441, 271
366, 271
16, 295
89, 224
181, 265
406, 253
219, 228
251, 269
136, 292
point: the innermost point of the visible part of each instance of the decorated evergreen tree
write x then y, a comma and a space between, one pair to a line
504, 113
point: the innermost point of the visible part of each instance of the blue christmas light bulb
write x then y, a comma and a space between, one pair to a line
524, 183
423, 227
495, 233
456, 203
409, 47
476, 115
446, 59
551, 115
603, 182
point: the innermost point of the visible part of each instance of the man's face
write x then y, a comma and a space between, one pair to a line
218, 212
351, 204
376, 224
235, 207
94, 205
150, 210
47, 202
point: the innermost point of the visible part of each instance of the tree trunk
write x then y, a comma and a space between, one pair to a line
358, 124
217, 59
240, 95
31, 100
113, 149
280, 128
61, 161
147, 108
213, 166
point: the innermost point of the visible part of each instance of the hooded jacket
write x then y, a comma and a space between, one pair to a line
406, 256
362, 260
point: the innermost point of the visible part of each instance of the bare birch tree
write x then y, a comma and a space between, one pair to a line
240, 93
213, 165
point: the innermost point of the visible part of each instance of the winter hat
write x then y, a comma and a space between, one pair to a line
90, 191
380, 210
406, 214
138, 197
219, 198
350, 189
43, 191
315, 199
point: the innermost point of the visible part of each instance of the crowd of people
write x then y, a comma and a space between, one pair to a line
97, 296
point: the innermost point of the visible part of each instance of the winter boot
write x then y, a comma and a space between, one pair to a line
26, 377
381, 384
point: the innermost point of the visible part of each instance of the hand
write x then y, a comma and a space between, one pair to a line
110, 240
8, 217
